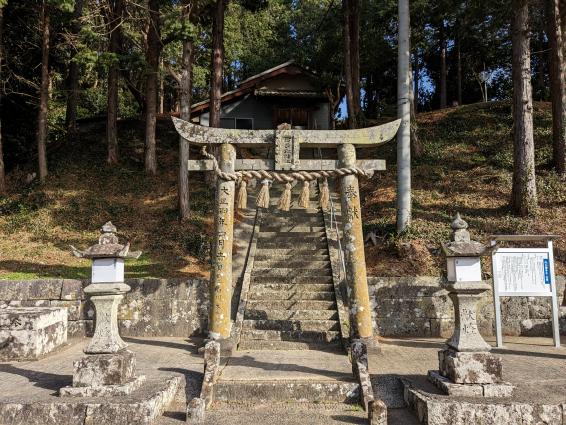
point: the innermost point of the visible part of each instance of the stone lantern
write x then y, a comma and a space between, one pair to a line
108, 367
466, 366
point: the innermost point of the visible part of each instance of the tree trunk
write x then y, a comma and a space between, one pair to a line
114, 26
152, 58
442, 39
557, 88
43, 93
540, 67
417, 81
348, 74
417, 148
562, 4
404, 112
459, 71
217, 63
2, 170
185, 91
73, 79
524, 196
161, 89
354, 17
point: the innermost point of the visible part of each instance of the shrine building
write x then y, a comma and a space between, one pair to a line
287, 93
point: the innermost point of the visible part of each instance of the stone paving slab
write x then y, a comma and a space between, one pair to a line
287, 365
40, 380
290, 414
533, 365
28, 390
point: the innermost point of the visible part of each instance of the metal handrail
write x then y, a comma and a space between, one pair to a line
334, 224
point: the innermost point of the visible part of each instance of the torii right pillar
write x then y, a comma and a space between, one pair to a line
356, 274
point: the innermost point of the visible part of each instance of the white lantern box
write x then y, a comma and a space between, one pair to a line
464, 269
107, 270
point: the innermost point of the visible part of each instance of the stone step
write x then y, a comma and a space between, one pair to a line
260, 256
288, 296
282, 234
294, 241
290, 244
292, 229
268, 253
292, 279
254, 344
293, 325
292, 287
290, 305
290, 272
295, 217
319, 264
304, 336
252, 314
279, 223
320, 391
294, 212
296, 251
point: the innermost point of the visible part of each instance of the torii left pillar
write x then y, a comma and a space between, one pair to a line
221, 276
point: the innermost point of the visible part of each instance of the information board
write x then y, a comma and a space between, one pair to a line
523, 272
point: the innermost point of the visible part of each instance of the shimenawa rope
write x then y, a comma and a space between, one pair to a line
267, 177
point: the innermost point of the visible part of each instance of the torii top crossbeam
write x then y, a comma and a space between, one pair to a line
370, 136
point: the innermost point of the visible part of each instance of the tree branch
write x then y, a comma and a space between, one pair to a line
172, 72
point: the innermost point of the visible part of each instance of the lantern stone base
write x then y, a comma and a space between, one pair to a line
470, 374
104, 391
104, 375
500, 389
470, 367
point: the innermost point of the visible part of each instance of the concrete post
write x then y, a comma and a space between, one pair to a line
356, 276
221, 275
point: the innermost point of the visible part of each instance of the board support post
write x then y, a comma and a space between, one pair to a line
555, 320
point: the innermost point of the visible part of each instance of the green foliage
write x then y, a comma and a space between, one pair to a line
63, 5
175, 27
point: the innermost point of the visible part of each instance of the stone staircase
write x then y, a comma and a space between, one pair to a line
291, 302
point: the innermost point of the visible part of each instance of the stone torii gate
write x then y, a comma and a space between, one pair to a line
285, 167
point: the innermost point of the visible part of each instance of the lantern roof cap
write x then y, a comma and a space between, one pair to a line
108, 246
461, 245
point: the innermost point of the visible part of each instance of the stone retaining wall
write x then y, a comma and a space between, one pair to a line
415, 306
418, 306
154, 307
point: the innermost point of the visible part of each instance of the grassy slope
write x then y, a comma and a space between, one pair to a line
38, 224
466, 168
